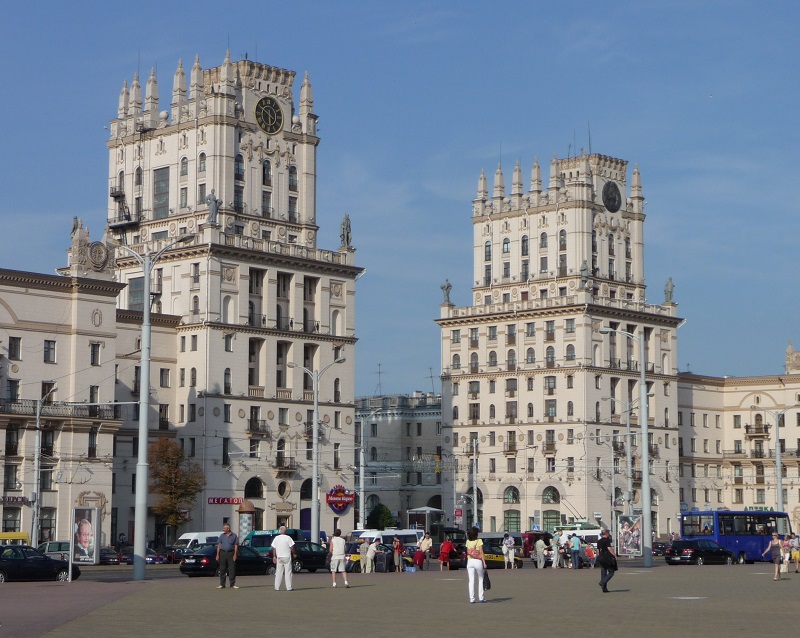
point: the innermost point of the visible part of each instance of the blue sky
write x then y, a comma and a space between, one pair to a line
414, 99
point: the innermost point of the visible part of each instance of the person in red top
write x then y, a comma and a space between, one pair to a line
399, 550
444, 554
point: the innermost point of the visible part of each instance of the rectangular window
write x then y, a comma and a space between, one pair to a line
191, 447
161, 193
226, 413
94, 354
194, 343
164, 377
266, 204
184, 197
530, 329
192, 412
569, 326
511, 465
201, 194
49, 351
737, 420
15, 349
136, 294
226, 445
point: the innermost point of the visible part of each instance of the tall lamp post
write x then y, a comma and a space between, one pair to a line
362, 507
147, 262
777, 415
647, 534
37, 471
315, 376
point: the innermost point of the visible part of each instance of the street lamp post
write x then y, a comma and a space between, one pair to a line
37, 471
647, 534
147, 262
777, 415
362, 508
315, 376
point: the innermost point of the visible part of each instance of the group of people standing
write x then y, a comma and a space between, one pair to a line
782, 552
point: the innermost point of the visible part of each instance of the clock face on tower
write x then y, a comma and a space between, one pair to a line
612, 200
269, 115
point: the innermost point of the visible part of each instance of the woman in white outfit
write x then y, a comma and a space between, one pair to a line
476, 563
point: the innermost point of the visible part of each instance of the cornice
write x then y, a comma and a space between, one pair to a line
135, 317
39, 281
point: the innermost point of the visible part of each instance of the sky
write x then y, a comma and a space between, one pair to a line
414, 99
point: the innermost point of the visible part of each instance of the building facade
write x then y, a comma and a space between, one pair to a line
57, 367
406, 463
728, 438
224, 179
527, 372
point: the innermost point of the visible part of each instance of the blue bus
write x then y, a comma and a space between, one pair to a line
745, 533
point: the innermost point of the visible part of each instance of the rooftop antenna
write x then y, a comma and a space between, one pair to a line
589, 126
379, 387
431, 377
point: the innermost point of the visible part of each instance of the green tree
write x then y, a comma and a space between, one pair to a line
380, 517
175, 481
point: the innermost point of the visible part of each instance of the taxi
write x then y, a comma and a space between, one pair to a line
493, 553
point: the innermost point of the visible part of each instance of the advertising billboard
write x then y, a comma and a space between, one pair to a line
85, 529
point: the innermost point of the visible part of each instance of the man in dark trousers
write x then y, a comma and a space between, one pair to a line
227, 551
607, 559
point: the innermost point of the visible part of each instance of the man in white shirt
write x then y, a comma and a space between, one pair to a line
337, 551
425, 546
371, 551
282, 552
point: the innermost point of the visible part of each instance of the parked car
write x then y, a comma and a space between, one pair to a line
126, 555
55, 549
203, 562
109, 556
20, 562
493, 553
310, 556
698, 552
384, 559
659, 548
174, 555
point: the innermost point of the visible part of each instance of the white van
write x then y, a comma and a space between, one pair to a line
409, 537
190, 540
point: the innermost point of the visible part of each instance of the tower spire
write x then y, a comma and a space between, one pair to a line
122, 109
499, 184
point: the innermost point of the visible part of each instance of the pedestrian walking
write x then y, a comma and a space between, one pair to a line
775, 549
607, 559
508, 552
336, 551
425, 546
227, 552
476, 564
794, 547
371, 551
363, 548
539, 547
282, 552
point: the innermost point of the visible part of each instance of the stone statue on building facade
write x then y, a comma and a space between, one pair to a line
446, 288
345, 233
213, 208
669, 289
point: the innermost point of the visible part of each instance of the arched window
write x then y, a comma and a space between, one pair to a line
530, 410
551, 496
550, 356
335, 327
492, 358
506, 245
280, 453
184, 166
665, 364
337, 390
227, 382
455, 413
666, 417
195, 304
473, 362
594, 241
373, 454
562, 239
373, 500
595, 355
511, 359
570, 353
570, 408
628, 247
524, 245
254, 488
491, 411
610, 244
137, 180
305, 490
227, 305
292, 178
456, 362
238, 168
543, 240
192, 377
480, 495
511, 495
597, 412
487, 251
201, 163
530, 355
266, 173
121, 180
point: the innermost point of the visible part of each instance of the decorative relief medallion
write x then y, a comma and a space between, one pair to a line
326, 419
201, 411
254, 229
539, 437
14, 368
336, 289
477, 297
229, 274
483, 439
98, 255
500, 439
447, 439
242, 413
572, 285
282, 231
215, 411
172, 228
310, 236
348, 420
298, 416
270, 415
97, 318
463, 439
561, 437
190, 225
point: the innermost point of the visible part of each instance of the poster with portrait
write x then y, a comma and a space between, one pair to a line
629, 541
84, 542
